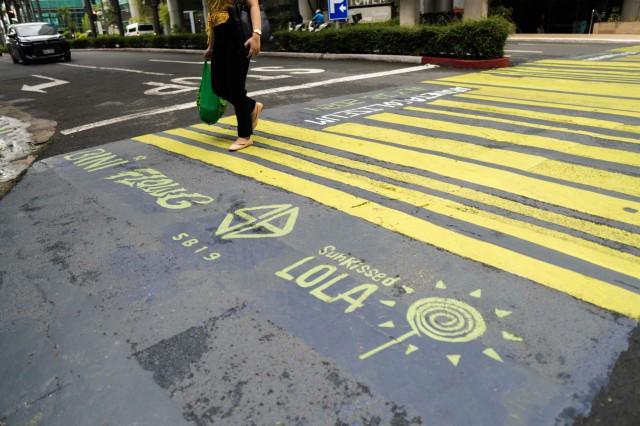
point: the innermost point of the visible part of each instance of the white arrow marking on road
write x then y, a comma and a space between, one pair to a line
38, 88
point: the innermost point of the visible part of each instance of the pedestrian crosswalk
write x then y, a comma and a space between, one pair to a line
535, 171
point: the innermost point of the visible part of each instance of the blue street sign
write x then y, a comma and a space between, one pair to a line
338, 10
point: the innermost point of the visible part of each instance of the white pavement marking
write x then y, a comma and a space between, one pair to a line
114, 69
176, 62
612, 55
39, 87
524, 51
180, 62
189, 105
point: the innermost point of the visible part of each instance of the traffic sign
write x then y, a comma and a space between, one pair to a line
338, 10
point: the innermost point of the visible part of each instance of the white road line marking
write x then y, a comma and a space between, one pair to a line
524, 51
189, 105
175, 62
114, 69
612, 55
180, 62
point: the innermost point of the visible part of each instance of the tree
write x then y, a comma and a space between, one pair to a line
156, 16
115, 5
163, 12
86, 23
89, 12
64, 16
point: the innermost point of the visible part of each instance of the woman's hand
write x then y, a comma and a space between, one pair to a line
208, 53
253, 45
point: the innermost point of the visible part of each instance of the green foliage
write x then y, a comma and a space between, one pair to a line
86, 23
482, 39
163, 13
174, 41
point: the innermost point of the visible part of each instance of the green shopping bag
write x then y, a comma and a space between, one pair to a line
210, 106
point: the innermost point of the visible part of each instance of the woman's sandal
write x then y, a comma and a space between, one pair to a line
240, 144
256, 114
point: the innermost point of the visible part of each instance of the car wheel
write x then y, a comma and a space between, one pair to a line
13, 58
24, 60
67, 57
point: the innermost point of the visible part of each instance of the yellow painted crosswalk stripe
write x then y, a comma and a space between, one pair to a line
566, 76
635, 48
548, 85
573, 283
545, 116
520, 98
606, 103
534, 67
472, 107
599, 205
598, 230
520, 161
576, 63
515, 138
588, 251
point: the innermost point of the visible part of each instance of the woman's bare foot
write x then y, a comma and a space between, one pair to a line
255, 115
240, 143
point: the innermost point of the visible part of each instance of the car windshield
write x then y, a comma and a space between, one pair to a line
36, 30
145, 27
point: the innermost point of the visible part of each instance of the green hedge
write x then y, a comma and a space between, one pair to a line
482, 39
175, 41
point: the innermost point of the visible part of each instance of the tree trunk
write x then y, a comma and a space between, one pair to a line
118, 12
156, 17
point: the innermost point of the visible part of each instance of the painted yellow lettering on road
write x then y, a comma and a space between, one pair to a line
273, 221
168, 193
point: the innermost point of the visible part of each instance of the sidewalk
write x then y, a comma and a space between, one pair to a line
572, 38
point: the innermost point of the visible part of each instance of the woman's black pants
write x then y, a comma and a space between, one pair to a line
229, 67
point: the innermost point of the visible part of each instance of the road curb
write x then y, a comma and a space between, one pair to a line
407, 59
467, 63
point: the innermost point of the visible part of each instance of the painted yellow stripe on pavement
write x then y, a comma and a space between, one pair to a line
589, 64
548, 85
598, 230
527, 162
588, 251
539, 115
534, 67
602, 102
627, 49
565, 76
586, 288
522, 99
463, 105
536, 141
600, 205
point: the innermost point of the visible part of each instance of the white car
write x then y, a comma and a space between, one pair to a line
138, 29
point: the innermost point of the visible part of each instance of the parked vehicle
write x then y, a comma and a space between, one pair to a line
36, 40
138, 29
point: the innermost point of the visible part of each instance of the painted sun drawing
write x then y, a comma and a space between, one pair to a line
444, 320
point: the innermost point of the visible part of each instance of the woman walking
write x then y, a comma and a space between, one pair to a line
230, 55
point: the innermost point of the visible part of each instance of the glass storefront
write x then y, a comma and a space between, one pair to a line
559, 16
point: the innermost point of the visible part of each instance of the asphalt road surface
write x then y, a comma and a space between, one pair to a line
403, 245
